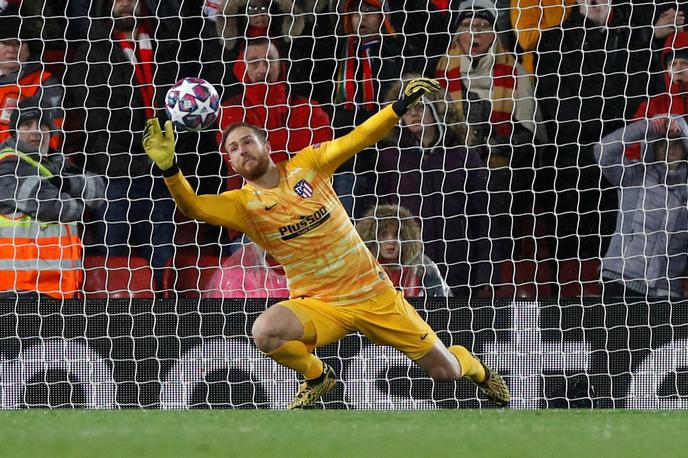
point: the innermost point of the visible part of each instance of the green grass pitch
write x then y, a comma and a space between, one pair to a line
332, 433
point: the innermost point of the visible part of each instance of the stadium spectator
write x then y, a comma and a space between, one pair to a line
675, 76
392, 234
292, 122
648, 254
431, 173
41, 203
673, 100
665, 17
492, 92
284, 22
56, 23
675, 72
529, 18
114, 87
488, 86
425, 28
22, 75
657, 19
368, 58
669, 18
248, 272
592, 75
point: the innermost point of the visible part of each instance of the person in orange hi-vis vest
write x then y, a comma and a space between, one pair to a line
40, 206
22, 75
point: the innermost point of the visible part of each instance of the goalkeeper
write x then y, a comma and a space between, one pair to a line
336, 285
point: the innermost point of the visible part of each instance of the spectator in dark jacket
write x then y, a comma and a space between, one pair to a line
660, 19
592, 74
368, 59
115, 85
648, 254
431, 173
424, 26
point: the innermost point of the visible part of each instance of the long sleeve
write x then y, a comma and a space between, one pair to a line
609, 153
550, 77
224, 209
530, 17
339, 150
88, 187
23, 189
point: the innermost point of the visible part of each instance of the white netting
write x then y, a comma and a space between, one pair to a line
550, 165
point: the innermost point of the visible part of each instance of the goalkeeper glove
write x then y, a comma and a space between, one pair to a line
414, 90
159, 145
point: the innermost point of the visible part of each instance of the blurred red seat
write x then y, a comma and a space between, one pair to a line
117, 277
579, 278
525, 279
189, 271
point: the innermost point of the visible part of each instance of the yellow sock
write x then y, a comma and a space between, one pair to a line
470, 366
295, 355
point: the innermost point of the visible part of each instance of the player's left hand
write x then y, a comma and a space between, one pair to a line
414, 90
159, 145
417, 88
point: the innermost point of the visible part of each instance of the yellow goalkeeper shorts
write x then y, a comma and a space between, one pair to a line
387, 319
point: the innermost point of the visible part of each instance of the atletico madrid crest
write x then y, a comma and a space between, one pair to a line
303, 189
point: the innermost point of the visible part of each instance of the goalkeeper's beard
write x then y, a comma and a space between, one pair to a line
254, 172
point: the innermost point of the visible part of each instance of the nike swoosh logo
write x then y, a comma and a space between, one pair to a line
424, 336
267, 209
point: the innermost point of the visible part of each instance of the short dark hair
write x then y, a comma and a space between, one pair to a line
259, 41
255, 41
260, 133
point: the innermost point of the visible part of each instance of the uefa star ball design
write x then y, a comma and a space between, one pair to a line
192, 104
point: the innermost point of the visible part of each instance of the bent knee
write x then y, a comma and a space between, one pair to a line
270, 332
266, 335
445, 373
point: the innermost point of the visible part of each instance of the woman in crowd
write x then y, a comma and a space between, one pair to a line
392, 234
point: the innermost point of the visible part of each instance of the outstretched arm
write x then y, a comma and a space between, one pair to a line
218, 209
609, 153
339, 150
222, 210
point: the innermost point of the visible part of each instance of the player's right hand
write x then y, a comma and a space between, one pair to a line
159, 145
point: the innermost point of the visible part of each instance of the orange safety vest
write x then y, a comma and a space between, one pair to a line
41, 257
10, 94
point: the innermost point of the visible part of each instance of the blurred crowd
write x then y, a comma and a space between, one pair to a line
553, 163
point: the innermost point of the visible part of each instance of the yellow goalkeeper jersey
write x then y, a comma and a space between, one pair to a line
301, 222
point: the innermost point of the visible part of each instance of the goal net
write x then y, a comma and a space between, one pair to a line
533, 210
